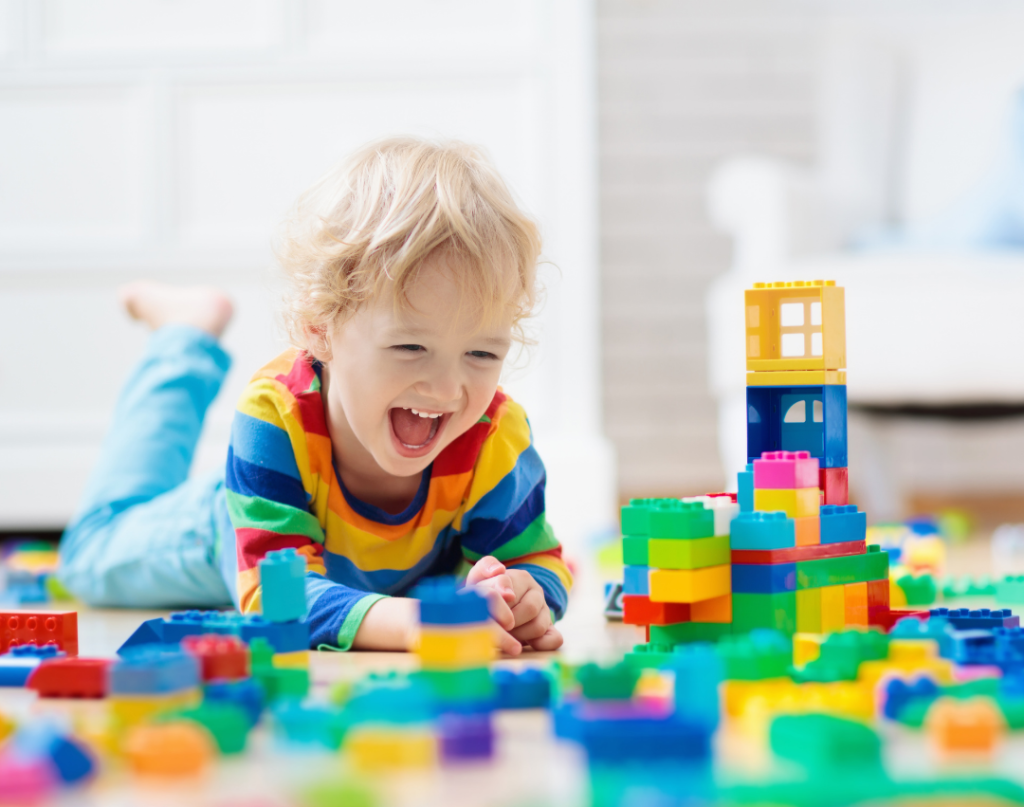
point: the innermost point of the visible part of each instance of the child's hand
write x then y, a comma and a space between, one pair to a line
490, 578
517, 604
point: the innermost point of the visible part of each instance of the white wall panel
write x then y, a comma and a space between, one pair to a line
110, 27
72, 167
245, 153
10, 24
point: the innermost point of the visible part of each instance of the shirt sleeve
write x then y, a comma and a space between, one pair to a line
268, 490
505, 515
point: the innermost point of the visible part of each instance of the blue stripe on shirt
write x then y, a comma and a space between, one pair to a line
253, 480
504, 499
485, 535
329, 604
264, 444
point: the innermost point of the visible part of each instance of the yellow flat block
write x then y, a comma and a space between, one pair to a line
131, 710
690, 585
833, 609
796, 503
842, 698
806, 648
297, 660
796, 378
737, 694
718, 609
808, 610
796, 326
472, 647
375, 749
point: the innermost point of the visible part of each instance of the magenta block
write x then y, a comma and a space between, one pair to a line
785, 470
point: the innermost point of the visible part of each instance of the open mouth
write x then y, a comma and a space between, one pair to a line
415, 433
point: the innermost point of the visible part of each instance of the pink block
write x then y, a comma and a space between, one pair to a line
785, 470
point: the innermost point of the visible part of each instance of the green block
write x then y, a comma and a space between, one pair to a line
672, 518
818, 742
685, 632
850, 648
695, 553
954, 587
776, 611
284, 682
842, 570
634, 550
1009, 590
636, 516
227, 723
616, 682
765, 654
919, 590
650, 656
472, 684
335, 791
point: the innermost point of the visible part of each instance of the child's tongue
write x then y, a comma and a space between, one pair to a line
411, 429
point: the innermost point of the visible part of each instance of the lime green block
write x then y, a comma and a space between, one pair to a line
693, 553
634, 550
684, 632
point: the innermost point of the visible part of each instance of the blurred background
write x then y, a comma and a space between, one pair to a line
674, 151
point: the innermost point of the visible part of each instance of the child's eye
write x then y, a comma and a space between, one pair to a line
482, 354
410, 348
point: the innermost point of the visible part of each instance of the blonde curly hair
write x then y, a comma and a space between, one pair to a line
364, 229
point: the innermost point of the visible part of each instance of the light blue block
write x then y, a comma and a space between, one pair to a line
636, 580
745, 489
841, 523
283, 585
760, 530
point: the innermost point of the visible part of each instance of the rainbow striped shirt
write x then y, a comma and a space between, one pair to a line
483, 495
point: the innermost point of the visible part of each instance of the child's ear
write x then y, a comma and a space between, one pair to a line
318, 343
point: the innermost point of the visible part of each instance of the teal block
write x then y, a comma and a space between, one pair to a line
283, 585
760, 530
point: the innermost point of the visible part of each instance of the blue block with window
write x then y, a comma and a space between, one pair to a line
802, 418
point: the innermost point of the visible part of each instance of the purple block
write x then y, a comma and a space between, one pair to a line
466, 737
785, 470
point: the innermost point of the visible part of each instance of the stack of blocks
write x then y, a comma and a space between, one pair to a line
788, 552
283, 595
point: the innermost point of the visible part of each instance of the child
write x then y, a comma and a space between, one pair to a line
380, 447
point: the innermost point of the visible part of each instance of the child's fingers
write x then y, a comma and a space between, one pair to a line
531, 604
551, 640
507, 643
484, 569
533, 629
499, 609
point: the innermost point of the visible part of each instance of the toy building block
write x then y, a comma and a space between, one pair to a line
614, 682
878, 600
1010, 590
247, 694
70, 678
808, 610
26, 781
634, 550
974, 647
717, 609
785, 470
227, 724
899, 694
841, 524
920, 590
177, 749
967, 619
443, 603
833, 609
454, 648
371, 748
690, 585
685, 632
220, 657
796, 326
762, 531
796, 554
811, 419
71, 761
39, 628
286, 637
807, 531
797, 503
697, 553
466, 737
639, 610
835, 485
724, 507
636, 581
677, 519
307, 724
635, 517
855, 599
753, 611
153, 670
796, 378
745, 489
763, 578
21, 660
872, 565
756, 656
973, 725
283, 585
529, 688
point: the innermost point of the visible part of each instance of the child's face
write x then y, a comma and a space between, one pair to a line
433, 358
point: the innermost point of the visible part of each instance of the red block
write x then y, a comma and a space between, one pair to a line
797, 553
732, 496
639, 610
39, 628
886, 620
220, 657
70, 678
834, 484
878, 600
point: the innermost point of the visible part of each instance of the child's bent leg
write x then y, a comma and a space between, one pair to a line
146, 456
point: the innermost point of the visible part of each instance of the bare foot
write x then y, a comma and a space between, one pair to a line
159, 304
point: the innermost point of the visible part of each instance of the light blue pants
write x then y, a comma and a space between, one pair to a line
145, 534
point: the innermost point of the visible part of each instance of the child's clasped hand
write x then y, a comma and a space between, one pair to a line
517, 605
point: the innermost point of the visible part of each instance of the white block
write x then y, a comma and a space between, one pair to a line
72, 167
724, 507
106, 27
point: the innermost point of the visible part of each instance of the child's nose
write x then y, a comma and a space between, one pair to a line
443, 385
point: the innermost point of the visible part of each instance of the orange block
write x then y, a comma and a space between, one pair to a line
856, 597
973, 725
808, 531
717, 609
169, 749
